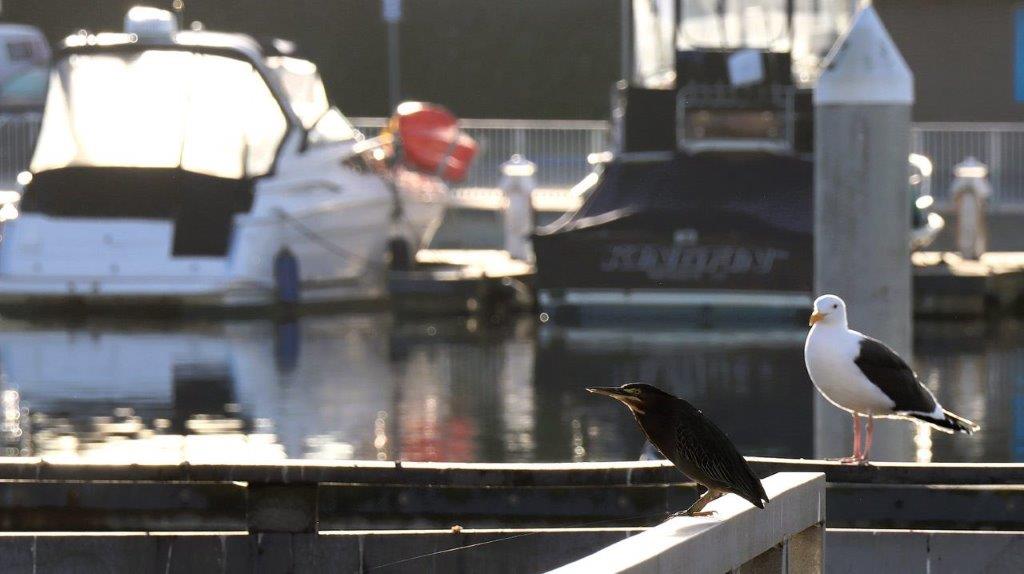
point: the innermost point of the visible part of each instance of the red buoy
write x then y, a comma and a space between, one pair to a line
431, 141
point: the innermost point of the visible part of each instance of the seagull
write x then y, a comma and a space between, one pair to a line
692, 442
864, 377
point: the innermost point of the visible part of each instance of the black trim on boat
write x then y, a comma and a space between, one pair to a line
202, 207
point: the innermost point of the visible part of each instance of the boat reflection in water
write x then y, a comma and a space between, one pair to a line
371, 386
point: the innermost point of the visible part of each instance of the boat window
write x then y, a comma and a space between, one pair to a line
765, 25
20, 51
28, 88
653, 34
303, 86
204, 113
332, 127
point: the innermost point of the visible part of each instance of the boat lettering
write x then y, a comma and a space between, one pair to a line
675, 262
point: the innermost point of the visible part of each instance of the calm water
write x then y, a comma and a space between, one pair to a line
368, 386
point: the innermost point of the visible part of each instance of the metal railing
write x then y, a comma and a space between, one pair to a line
558, 147
18, 133
998, 145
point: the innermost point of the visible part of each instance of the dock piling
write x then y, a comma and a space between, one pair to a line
862, 109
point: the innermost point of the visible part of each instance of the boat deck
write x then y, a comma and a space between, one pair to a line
462, 281
947, 284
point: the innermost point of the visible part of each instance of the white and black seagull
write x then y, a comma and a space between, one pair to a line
866, 378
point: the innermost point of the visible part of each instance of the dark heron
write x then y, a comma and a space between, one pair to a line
691, 441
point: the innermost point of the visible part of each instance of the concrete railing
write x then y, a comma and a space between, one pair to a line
787, 536
38, 495
855, 551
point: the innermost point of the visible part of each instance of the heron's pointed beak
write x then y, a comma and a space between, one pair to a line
613, 392
632, 401
815, 317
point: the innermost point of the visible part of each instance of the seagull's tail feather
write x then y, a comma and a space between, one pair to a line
951, 423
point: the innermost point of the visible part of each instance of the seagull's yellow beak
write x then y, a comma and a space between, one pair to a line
815, 317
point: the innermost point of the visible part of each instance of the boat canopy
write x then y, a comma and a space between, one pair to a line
166, 107
806, 29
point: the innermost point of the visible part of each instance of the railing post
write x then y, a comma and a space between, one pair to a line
519, 141
916, 140
773, 561
995, 163
805, 552
597, 140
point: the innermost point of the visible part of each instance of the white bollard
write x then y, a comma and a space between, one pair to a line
970, 191
517, 182
862, 109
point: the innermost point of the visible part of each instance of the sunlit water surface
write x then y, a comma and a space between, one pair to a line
371, 386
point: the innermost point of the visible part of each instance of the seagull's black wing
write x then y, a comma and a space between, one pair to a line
883, 367
891, 374
709, 457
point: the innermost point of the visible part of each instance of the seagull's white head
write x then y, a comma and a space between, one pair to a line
829, 310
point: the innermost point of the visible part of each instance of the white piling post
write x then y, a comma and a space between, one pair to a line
518, 183
970, 191
862, 115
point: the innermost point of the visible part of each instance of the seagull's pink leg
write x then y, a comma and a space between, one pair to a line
855, 457
867, 440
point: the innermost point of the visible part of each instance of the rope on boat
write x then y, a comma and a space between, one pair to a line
327, 244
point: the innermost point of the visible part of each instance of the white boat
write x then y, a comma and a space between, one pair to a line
197, 168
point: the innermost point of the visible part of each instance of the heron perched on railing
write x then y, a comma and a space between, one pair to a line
691, 442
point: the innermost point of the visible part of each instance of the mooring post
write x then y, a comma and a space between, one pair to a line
517, 182
862, 116
970, 191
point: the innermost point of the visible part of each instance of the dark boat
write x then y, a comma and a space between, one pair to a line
704, 205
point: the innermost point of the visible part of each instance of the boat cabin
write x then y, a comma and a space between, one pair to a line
723, 75
154, 123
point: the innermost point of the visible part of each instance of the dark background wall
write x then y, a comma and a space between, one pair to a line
554, 58
482, 58
962, 55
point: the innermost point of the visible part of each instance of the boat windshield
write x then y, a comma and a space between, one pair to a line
732, 25
203, 113
304, 88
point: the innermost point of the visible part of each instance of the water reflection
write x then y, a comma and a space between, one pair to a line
368, 386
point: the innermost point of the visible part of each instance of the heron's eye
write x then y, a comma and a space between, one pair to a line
835, 305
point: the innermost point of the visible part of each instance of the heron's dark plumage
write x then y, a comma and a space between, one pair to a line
694, 444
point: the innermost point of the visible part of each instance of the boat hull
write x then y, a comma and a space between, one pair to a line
339, 251
694, 232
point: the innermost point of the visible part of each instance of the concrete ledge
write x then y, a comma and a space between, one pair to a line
936, 552
41, 496
736, 535
469, 551
482, 474
980, 507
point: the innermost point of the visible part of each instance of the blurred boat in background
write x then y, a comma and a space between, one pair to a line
203, 169
703, 208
